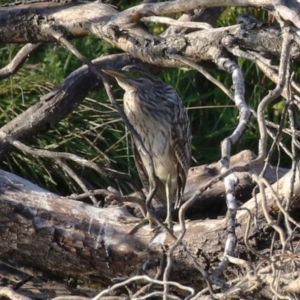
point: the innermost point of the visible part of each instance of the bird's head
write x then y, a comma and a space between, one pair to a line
131, 77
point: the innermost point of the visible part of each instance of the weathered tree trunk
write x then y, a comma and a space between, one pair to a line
49, 235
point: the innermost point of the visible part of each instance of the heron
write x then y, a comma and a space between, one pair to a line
158, 115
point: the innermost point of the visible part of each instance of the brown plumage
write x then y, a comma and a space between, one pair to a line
157, 113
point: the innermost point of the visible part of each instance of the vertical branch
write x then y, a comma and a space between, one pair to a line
294, 164
294, 143
276, 139
284, 60
230, 181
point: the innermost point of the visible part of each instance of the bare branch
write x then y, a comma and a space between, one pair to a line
11, 294
169, 21
75, 177
133, 14
68, 156
144, 278
284, 60
17, 62
206, 74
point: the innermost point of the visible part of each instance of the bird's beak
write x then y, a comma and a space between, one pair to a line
117, 74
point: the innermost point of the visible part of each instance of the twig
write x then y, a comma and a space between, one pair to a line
204, 73
17, 62
294, 154
261, 183
294, 163
278, 144
157, 294
144, 278
80, 298
22, 282
158, 274
265, 183
240, 262
101, 192
276, 140
285, 130
246, 236
112, 195
68, 156
74, 176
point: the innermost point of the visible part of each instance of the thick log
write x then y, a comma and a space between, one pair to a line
212, 203
48, 235
75, 20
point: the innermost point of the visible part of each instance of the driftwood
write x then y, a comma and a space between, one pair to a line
47, 235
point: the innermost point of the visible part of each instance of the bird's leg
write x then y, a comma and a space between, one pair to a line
168, 220
148, 217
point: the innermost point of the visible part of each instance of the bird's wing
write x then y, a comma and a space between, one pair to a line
140, 167
181, 142
160, 192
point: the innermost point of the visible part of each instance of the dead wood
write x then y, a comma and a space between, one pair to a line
47, 235
76, 20
213, 200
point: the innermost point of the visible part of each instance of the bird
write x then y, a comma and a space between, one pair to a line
159, 116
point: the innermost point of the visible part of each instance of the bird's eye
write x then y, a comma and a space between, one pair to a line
135, 74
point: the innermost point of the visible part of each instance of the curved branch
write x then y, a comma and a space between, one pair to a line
284, 61
18, 60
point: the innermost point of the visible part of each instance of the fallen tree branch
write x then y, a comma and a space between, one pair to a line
78, 236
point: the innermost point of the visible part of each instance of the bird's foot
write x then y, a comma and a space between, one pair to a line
167, 223
147, 219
